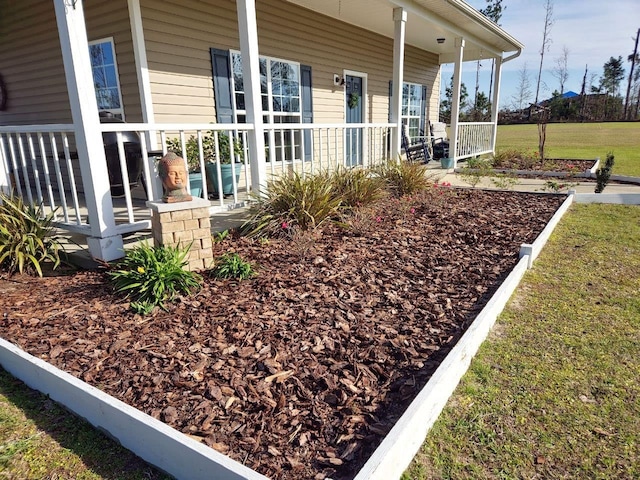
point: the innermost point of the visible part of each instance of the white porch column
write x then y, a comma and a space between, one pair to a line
248, 30
494, 102
400, 20
103, 243
455, 100
144, 87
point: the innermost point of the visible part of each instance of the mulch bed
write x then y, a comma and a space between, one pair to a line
549, 165
301, 371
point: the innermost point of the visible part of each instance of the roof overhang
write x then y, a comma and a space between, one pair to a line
427, 21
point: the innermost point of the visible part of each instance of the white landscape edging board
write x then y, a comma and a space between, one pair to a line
398, 448
150, 439
185, 458
614, 198
532, 250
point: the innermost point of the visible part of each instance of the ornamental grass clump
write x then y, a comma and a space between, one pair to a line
293, 201
357, 187
26, 239
403, 178
151, 276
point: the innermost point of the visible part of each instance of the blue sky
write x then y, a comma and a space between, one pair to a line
592, 30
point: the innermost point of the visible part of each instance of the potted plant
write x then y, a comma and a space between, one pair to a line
193, 161
223, 164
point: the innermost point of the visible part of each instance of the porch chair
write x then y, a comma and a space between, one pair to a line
439, 140
417, 149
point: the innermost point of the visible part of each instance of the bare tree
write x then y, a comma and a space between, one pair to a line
561, 70
633, 58
546, 40
523, 92
493, 11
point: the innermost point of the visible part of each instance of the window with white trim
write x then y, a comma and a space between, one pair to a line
412, 108
105, 76
280, 89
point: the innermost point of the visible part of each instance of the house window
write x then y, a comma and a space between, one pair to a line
105, 76
413, 108
281, 101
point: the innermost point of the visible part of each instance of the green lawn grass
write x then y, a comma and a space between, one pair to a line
41, 440
580, 140
555, 390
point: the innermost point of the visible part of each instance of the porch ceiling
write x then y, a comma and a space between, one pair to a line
427, 20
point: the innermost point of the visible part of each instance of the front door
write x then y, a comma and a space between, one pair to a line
354, 114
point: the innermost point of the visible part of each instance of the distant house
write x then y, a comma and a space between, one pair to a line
302, 84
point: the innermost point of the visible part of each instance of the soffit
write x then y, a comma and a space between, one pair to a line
427, 20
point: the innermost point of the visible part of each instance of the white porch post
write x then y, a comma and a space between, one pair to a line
494, 103
144, 87
400, 20
248, 30
455, 100
103, 243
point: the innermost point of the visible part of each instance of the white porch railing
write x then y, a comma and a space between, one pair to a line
40, 164
37, 165
474, 138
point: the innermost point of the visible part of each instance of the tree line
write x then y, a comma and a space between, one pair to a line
601, 98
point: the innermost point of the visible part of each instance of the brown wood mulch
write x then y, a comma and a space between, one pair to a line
300, 372
568, 166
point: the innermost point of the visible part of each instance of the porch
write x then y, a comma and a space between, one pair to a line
64, 165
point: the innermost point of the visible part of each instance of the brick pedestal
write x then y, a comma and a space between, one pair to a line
181, 224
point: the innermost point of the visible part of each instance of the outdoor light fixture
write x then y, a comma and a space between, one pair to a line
440, 40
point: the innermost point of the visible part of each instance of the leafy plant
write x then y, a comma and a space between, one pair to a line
403, 178
473, 173
604, 174
357, 187
220, 236
26, 239
504, 181
151, 276
231, 265
293, 201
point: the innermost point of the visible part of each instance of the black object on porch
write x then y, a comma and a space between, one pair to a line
133, 155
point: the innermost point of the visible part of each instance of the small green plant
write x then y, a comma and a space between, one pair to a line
504, 181
231, 265
604, 174
293, 201
357, 187
26, 239
151, 276
403, 177
220, 236
473, 172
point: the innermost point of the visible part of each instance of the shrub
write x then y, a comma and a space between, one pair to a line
604, 174
357, 187
151, 276
26, 239
231, 265
403, 178
293, 201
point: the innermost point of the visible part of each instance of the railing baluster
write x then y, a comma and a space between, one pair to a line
72, 177
56, 164
47, 179
36, 171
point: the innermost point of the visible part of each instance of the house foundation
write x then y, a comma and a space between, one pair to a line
182, 224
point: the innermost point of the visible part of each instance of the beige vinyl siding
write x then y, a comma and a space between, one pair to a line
179, 35
31, 65
111, 19
31, 59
